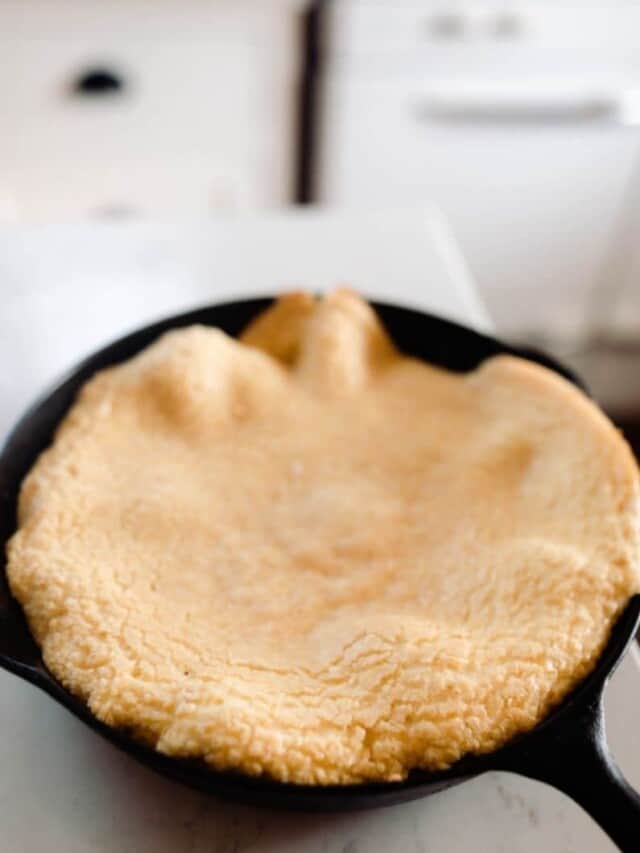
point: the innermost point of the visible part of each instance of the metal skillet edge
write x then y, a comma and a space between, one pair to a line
567, 749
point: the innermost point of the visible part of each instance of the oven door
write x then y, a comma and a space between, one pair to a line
533, 186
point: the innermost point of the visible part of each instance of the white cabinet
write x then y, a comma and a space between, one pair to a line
527, 141
198, 117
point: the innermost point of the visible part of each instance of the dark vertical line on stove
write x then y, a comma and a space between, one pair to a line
307, 104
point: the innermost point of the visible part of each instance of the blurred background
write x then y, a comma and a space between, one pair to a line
519, 120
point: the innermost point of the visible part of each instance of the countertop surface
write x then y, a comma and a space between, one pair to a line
67, 290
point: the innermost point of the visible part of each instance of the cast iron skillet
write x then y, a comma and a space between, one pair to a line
567, 750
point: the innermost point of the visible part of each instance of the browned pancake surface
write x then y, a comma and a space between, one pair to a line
308, 556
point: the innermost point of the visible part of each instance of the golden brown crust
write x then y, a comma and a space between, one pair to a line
278, 331
317, 559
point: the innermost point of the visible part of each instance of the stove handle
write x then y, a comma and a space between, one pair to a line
490, 108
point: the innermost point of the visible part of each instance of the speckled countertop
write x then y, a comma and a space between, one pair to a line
64, 291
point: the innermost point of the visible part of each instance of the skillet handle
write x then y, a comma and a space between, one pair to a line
573, 756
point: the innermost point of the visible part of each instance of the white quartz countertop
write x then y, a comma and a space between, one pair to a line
66, 290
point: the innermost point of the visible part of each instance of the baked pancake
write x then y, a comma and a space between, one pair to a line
305, 555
